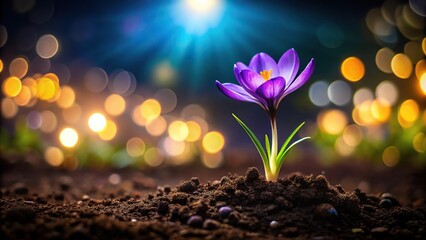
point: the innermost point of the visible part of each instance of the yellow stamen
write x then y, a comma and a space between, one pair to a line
266, 74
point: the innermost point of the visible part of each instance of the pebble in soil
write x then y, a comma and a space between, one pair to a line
224, 211
234, 207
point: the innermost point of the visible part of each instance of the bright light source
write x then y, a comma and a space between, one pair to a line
202, 5
68, 137
198, 16
97, 122
423, 83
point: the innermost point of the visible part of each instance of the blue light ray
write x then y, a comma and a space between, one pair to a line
239, 31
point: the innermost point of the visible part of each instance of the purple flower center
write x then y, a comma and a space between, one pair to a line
266, 74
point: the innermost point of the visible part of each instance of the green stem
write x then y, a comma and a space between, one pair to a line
274, 148
273, 177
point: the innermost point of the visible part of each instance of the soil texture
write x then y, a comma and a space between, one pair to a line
234, 207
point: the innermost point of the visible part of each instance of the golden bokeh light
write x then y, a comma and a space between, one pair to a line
48, 122
52, 77
47, 46
31, 84
419, 142
424, 45
11, 87
18, 67
342, 148
24, 96
8, 108
383, 59
97, 122
150, 109
380, 110
115, 104
153, 157
194, 131
352, 69
422, 83
46, 88
362, 114
1, 65
420, 68
109, 131
408, 113
212, 160
213, 142
156, 127
173, 148
72, 114
137, 116
68, 137
178, 130
402, 66
66, 98
352, 135
332, 121
390, 156
135, 147
54, 156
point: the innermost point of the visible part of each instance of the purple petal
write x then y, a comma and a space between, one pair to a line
263, 61
250, 80
302, 78
235, 92
288, 65
272, 89
240, 66
237, 73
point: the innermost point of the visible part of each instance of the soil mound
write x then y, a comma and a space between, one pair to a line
234, 207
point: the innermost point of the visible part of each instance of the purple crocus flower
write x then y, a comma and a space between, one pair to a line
265, 82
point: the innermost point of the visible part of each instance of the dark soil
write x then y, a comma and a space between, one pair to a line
234, 207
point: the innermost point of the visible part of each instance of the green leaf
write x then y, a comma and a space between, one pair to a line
287, 141
268, 146
280, 159
256, 142
285, 150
